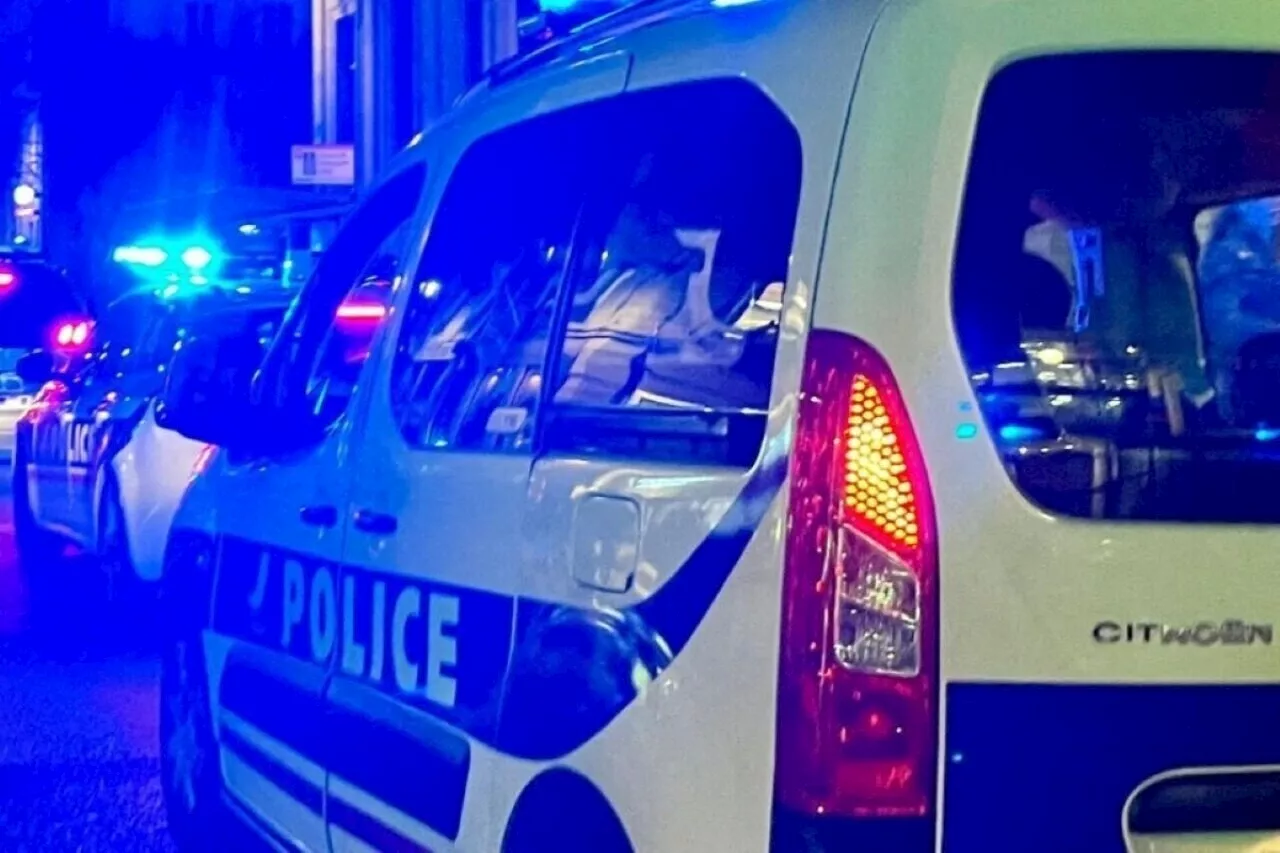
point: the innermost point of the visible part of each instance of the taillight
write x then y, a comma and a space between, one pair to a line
71, 335
204, 458
857, 708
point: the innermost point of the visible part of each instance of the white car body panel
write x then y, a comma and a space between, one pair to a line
152, 471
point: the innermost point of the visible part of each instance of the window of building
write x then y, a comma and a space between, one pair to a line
345, 84
200, 23
277, 25
1116, 290
405, 77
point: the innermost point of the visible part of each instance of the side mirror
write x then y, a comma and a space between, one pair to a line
206, 392
209, 396
35, 368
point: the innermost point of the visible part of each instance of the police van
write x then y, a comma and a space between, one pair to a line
798, 426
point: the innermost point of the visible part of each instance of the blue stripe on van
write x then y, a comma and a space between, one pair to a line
1050, 767
364, 827
266, 766
570, 671
373, 832
483, 629
419, 772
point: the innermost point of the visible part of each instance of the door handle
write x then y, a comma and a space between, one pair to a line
375, 522
319, 516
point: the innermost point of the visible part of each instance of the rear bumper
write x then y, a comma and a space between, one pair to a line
1061, 762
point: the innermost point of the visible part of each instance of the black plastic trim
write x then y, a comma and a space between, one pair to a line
1205, 803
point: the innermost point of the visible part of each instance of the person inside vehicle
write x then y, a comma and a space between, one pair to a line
641, 286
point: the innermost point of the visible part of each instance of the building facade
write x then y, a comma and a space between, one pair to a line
384, 69
137, 114
205, 99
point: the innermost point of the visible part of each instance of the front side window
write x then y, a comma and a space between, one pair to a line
349, 337
1116, 289
326, 336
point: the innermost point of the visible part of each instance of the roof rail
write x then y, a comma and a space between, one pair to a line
635, 14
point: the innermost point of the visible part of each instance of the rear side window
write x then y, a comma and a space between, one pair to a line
634, 250
1116, 289
671, 321
677, 305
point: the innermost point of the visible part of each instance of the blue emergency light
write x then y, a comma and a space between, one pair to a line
192, 258
196, 257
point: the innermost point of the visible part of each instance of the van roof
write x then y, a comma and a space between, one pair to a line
637, 15
645, 14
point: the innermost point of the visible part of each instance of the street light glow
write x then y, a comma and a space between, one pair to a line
24, 195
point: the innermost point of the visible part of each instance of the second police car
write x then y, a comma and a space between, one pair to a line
834, 426
91, 467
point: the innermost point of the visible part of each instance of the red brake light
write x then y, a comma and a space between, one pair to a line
7, 279
204, 458
857, 707
71, 334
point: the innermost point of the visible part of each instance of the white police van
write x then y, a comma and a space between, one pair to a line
824, 425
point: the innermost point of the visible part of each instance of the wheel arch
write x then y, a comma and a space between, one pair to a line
562, 807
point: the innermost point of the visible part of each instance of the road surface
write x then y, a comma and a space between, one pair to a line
78, 736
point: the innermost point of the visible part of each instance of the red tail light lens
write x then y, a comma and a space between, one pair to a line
857, 712
71, 334
204, 458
